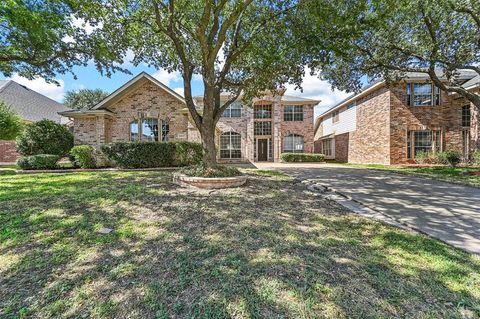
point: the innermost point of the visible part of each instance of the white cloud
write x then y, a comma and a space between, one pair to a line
167, 78
314, 88
180, 91
53, 91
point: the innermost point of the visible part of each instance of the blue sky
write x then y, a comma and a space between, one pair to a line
89, 77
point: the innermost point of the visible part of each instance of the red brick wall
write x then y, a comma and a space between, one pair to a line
8, 153
341, 147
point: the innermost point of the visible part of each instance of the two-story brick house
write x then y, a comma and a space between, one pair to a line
144, 109
391, 124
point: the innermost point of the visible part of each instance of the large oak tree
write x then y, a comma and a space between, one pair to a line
350, 39
241, 47
44, 38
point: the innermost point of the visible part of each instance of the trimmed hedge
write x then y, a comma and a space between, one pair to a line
40, 161
153, 154
302, 157
83, 156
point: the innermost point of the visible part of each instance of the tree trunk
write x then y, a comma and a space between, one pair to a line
208, 141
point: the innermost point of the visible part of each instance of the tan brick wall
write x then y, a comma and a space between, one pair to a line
148, 100
8, 153
371, 141
84, 131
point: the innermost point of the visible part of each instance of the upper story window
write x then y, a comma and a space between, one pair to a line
351, 105
466, 116
293, 113
134, 133
336, 116
233, 110
262, 112
262, 128
422, 94
293, 143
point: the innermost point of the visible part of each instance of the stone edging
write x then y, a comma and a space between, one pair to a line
210, 182
82, 170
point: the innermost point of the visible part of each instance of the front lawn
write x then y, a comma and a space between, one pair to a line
444, 173
267, 250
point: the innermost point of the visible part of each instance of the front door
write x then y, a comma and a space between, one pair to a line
262, 150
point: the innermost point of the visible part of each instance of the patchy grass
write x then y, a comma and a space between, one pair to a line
267, 250
448, 174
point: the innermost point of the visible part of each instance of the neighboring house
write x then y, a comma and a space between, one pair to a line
144, 109
31, 106
390, 125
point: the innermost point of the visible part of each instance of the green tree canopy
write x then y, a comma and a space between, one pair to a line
237, 46
41, 38
349, 39
84, 99
10, 123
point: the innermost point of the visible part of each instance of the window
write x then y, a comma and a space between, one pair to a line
165, 130
262, 128
466, 144
466, 116
351, 105
233, 110
262, 112
336, 116
424, 94
293, 143
150, 129
326, 147
230, 145
134, 136
293, 113
423, 141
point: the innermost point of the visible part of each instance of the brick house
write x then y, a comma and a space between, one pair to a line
31, 106
391, 124
144, 109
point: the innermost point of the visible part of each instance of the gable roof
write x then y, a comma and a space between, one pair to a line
472, 83
123, 88
30, 105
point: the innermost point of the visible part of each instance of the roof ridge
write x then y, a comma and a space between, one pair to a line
5, 85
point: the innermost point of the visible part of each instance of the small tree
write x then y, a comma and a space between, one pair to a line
84, 99
45, 137
237, 46
10, 123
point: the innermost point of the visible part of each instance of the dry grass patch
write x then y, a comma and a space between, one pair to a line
265, 250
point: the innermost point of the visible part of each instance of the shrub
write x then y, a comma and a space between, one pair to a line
10, 123
84, 156
45, 137
302, 157
452, 158
153, 154
39, 161
423, 157
218, 171
476, 157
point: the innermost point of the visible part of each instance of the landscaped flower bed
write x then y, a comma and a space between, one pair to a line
210, 177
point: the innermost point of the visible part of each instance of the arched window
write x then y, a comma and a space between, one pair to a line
150, 129
165, 130
230, 145
134, 136
293, 143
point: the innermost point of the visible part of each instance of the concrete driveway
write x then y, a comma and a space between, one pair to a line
442, 210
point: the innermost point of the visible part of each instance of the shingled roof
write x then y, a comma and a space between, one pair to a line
30, 105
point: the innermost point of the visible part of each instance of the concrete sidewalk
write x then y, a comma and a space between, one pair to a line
448, 212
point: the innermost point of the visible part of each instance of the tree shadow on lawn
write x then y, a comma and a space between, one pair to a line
264, 250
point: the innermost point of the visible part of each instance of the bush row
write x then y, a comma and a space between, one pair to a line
39, 161
448, 157
302, 157
153, 154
